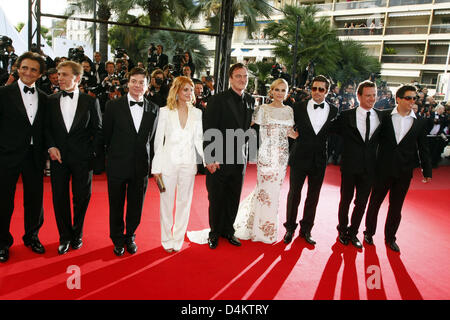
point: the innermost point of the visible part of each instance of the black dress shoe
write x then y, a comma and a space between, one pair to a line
76, 243
131, 247
213, 242
64, 247
119, 251
355, 242
288, 237
4, 254
36, 246
307, 237
393, 246
343, 238
234, 241
368, 239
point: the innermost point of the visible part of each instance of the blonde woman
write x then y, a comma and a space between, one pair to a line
179, 136
257, 217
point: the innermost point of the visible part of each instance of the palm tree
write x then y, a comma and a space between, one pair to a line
261, 71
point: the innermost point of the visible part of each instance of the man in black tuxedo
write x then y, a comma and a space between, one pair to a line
229, 111
22, 117
161, 59
129, 124
403, 145
73, 133
359, 129
308, 157
99, 68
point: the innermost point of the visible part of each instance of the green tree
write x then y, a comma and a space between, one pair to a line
261, 71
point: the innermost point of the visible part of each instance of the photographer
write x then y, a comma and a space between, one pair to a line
187, 61
200, 99
7, 55
438, 141
52, 86
88, 77
158, 90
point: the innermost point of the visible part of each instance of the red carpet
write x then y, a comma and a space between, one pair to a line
253, 271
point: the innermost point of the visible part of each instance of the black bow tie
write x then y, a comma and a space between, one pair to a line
319, 105
140, 104
26, 89
65, 94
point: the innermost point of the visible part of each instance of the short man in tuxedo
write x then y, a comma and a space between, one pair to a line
230, 110
22, 152
359, 129
129, 124
73, 133
308, 157
403, 146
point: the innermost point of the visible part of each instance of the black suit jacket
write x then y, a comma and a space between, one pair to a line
412, 151
16, 130
223, 113
309, 150
101, 71
128, 151
83, 141
163, 61
357, 155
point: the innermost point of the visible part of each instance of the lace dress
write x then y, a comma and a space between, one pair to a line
257, 217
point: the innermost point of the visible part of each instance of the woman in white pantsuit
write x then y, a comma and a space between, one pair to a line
178, 139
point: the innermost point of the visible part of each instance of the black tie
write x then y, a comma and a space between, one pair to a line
65, 94
140, 104
26, 89
367, 127
319, 105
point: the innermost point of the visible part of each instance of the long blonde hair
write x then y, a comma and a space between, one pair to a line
178, 83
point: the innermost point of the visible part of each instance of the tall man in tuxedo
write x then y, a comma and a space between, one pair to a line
161, 59
403, 146
129, 124
73, 133
359, 129
22, 117
308, 157
99, 68
230, 111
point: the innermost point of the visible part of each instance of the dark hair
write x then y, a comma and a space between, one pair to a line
401, 91
135, 71
321, 78
52, 71
365, 84
236, 66
35, 57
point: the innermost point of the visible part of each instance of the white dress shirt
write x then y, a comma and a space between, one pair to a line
136, 111
30, 101
69, 107
317, 116
361, 115
402, 124
437, 126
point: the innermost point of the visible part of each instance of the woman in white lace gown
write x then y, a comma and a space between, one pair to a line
257, 217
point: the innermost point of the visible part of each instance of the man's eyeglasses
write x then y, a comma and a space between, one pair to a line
409, 98
321, 90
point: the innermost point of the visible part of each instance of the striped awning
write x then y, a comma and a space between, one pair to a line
441, 12
364, 17
409, 14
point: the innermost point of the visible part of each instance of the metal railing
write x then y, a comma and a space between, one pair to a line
440, 28
359, 5
359, 31
396, 58
422, 29
394, 3
436, 59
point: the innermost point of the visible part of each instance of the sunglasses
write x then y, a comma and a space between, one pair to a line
409, 98
321, 90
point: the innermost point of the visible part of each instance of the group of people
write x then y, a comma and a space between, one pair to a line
381, 150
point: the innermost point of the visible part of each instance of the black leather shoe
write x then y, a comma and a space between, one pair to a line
36, 246
131, 247
64, 247
4, 254
307, 237
234, 241
213, 242
119, 251
355, 242
288, 237
393, 246
343, 238
368, 239
76, 244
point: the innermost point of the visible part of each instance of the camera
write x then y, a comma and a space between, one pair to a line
76, 54
119, 53
7, 58
276, 71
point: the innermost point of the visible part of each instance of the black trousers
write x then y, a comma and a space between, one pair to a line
133, 189
224, 194
397, 188
297, 178
81, 175
33, 188
350, 182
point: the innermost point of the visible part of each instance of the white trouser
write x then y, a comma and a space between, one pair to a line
181, 183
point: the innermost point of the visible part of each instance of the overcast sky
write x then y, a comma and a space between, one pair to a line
17, 10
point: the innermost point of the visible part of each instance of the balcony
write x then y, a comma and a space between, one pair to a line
360, 5
325, 6
440, 28
441, 1
422, 29
396, 58
359, 31
436, 59
394, 3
